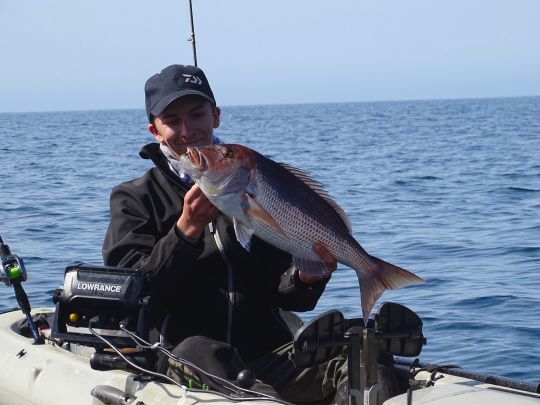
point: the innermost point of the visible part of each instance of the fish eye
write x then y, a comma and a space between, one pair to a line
228, 153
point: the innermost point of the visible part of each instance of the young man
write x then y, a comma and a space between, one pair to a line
205, 287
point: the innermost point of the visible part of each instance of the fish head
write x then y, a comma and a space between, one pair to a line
221, 168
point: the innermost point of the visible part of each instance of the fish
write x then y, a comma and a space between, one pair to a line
287, 208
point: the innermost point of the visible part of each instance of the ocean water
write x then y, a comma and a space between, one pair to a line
447, 189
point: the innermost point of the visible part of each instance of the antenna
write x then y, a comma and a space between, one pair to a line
192, 37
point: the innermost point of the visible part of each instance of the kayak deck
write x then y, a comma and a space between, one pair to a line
50, 374
61, 374
453, 390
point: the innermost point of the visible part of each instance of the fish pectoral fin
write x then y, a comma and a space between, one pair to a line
311, 267
254, 210
243, 234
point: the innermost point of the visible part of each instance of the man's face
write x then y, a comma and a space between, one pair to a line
187, 121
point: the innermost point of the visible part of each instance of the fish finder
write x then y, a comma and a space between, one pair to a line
104, 298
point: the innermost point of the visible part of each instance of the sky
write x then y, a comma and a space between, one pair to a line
59, 55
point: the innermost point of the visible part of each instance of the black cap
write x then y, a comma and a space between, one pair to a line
173, 82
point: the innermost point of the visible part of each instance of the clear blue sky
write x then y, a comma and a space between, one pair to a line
77, 55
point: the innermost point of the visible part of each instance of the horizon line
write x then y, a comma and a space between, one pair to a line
284, 104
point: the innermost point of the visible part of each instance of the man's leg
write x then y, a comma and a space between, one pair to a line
214, 357
313, 384
326, 383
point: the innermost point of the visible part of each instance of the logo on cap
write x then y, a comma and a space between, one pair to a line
192, 79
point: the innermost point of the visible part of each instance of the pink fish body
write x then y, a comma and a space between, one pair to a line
290, 210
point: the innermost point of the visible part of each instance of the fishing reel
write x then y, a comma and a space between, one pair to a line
12, 267
13, 273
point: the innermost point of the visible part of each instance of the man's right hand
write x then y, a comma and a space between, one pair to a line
198, 211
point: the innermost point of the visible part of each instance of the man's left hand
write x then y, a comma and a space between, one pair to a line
328, 259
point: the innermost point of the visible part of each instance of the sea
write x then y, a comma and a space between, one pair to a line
448, 189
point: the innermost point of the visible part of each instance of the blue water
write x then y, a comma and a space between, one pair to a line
447, 189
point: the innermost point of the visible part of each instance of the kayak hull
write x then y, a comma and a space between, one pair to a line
49, 374
56, 375
453, 390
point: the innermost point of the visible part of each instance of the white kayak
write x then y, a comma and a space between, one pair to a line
453, 390
50, 374
61, 374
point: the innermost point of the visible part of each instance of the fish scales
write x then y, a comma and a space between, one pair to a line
302, 213
290, 188
298, 215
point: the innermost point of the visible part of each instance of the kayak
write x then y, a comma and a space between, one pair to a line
453, 390
91, 349
60, 373
57, 374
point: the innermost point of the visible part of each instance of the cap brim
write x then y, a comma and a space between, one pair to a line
169, 98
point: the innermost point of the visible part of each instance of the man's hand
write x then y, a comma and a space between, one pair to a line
328, 259
198, 211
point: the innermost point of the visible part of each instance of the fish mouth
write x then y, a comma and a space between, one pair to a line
197, 158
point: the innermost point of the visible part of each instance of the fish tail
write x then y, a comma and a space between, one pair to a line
381, 276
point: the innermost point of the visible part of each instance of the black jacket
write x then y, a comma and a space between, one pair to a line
235, 299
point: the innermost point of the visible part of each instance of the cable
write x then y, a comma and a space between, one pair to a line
226, 383
93, 332
259, 397
147, 345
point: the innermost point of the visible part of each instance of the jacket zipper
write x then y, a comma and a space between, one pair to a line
230, 280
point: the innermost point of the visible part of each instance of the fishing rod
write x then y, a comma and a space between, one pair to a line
473, 375
192, 37
13, 273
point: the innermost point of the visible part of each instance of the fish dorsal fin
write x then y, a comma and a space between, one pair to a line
319, 189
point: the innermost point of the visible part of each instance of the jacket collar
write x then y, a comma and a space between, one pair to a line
151, 151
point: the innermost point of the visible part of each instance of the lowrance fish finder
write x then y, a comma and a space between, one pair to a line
104, 298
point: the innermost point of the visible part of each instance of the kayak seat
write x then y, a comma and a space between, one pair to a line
293, 321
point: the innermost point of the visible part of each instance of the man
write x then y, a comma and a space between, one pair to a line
205, 287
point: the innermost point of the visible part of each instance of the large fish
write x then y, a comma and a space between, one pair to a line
285, 207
